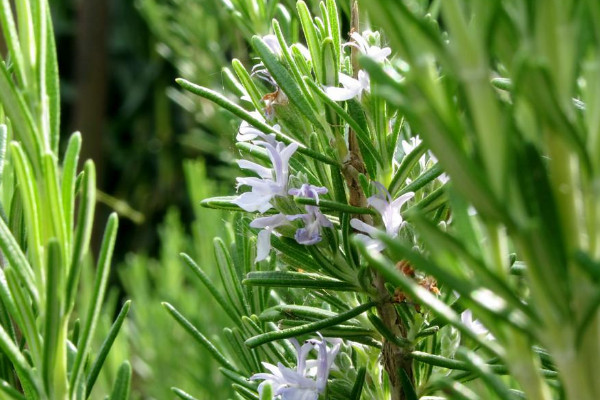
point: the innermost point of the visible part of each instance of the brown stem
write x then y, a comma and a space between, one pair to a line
393, 356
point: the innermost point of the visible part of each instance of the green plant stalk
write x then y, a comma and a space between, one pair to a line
563, 172
60, 385
523, 366
473, 71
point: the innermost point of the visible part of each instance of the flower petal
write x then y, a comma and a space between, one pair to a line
262, 171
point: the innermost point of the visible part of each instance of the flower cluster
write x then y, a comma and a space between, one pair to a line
271, 183
389, 209
309, 378
351, 87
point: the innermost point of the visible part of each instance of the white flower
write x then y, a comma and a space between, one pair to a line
390, 215
273, 44
390, 211
375, 52
268, 225
272, 182
477, 327
301, 383
351, 87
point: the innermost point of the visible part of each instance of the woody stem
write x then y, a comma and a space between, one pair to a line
393, 357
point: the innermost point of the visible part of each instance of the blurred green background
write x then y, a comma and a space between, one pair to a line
118, 61
158, 152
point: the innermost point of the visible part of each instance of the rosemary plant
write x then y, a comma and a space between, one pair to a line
475, 277
47, 209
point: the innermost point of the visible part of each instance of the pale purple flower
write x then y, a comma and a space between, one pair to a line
313, 222
309, 191
372, 244
389, 209
268, 225
314, 219
303, 383
273, 44
351, 87
248, 133
375, 52
443, 178
271, 182
477, 327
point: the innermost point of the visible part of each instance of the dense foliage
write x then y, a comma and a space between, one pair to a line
393, 200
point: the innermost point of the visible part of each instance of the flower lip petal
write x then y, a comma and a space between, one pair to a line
340, 94
262, 171
363, 227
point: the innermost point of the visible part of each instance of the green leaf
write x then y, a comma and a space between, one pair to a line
3, 141
407, 387
20, 117
53, 317
17, 260
434, 201
406, 165
230, 278
457, 390
97, 296
385, 332
239, 379
105, 348
253, 326
52, 84
247, 82
291, 249
31, 202
295, 280
477, 365
69, 174
11, 39
10, 392
358, 384
294, 311
245, 393
182, 395
292, 63
199, 337
423, 179
312, 39
243, 354
123, 383
54, 201
308, 328
228, 307
267, 392
335, 206
83, 231
223, 203
10, 349
333, 28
